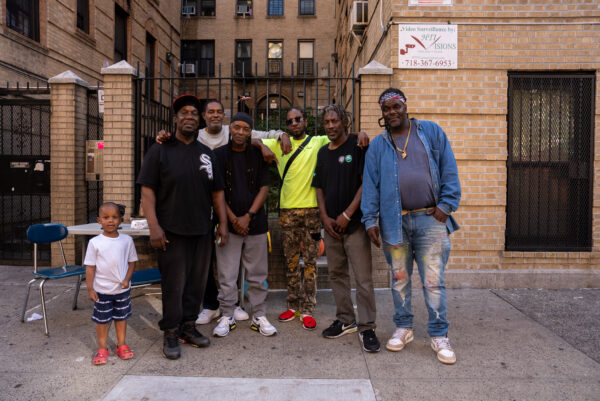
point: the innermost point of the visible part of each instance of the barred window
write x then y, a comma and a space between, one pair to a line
306, 7
275, 7
550, 133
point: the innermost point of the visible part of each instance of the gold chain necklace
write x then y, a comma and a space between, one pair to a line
403, 151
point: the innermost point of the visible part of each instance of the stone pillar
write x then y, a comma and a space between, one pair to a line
119, 135
374, 79
68, 100
119, 148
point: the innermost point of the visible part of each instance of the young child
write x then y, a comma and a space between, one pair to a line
109, 264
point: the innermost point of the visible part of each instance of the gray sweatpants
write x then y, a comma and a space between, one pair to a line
354, 250
252, 251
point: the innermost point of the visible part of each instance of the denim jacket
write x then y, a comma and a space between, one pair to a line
381, 193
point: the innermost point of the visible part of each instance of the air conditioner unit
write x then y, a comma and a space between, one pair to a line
243, 9
188, 10
188, 69
359, 16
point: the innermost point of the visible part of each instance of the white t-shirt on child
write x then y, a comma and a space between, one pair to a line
111, 256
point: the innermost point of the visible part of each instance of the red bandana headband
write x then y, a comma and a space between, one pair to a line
391, 95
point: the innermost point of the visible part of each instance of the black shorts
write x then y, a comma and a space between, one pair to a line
112, 307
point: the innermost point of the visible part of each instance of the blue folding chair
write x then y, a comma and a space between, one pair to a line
143, 278
44, 234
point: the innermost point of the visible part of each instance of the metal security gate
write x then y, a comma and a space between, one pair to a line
95, 132
550, 161
25, 172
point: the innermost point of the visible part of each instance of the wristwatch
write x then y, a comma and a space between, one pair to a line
251, 214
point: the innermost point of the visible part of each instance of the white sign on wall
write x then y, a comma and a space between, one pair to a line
428, 47
429, 2
101, 101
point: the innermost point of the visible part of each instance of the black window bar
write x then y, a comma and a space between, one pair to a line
550, 161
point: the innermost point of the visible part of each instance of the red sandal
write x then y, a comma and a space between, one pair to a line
124, 352
101, 357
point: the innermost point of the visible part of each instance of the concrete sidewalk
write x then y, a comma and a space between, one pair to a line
511, 345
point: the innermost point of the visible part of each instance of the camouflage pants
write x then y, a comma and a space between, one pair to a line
301, 231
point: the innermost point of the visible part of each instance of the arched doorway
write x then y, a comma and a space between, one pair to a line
274, 108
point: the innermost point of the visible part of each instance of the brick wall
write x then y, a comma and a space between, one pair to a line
67, 152
119, 122
470, 103
225, 28
63, 46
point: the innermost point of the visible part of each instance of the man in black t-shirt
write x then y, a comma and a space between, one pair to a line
338, 180
246, 182
180, 184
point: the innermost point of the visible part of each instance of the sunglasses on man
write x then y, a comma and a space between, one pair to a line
289, 121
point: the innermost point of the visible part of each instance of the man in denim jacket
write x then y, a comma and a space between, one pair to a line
411, 184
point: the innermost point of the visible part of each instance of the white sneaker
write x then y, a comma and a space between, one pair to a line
399, 339
240, 314
263, 326
207, 316
226, 324
443, 349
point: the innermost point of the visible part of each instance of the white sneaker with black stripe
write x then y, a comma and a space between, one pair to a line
263, 326
226, 324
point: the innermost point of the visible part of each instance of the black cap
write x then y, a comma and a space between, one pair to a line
241, 116
186, 100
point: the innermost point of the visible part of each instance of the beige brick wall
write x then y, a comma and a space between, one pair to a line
67, 174
470, 103
119, 120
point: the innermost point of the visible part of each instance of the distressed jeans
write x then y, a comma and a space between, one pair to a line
425, 240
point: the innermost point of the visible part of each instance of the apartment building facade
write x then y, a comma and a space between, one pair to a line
42, 38
250, 41
515, 86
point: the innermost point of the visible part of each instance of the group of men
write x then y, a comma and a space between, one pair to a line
405, 184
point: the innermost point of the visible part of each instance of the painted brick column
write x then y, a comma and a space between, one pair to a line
119, 135
68, 100
374, 79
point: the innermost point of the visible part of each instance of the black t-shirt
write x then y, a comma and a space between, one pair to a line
339, 175
239, 193
183, 178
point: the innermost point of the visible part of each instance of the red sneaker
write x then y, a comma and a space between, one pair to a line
288, 315
308, 322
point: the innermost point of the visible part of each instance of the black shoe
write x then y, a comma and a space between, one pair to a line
189, 335
171, 345
338, 329
369, 341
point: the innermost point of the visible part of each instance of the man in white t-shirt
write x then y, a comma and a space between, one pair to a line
215, 135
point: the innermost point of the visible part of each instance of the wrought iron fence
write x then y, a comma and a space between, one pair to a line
24, 168
550, 163
265, 97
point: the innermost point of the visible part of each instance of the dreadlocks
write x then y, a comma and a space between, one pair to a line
344, 115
